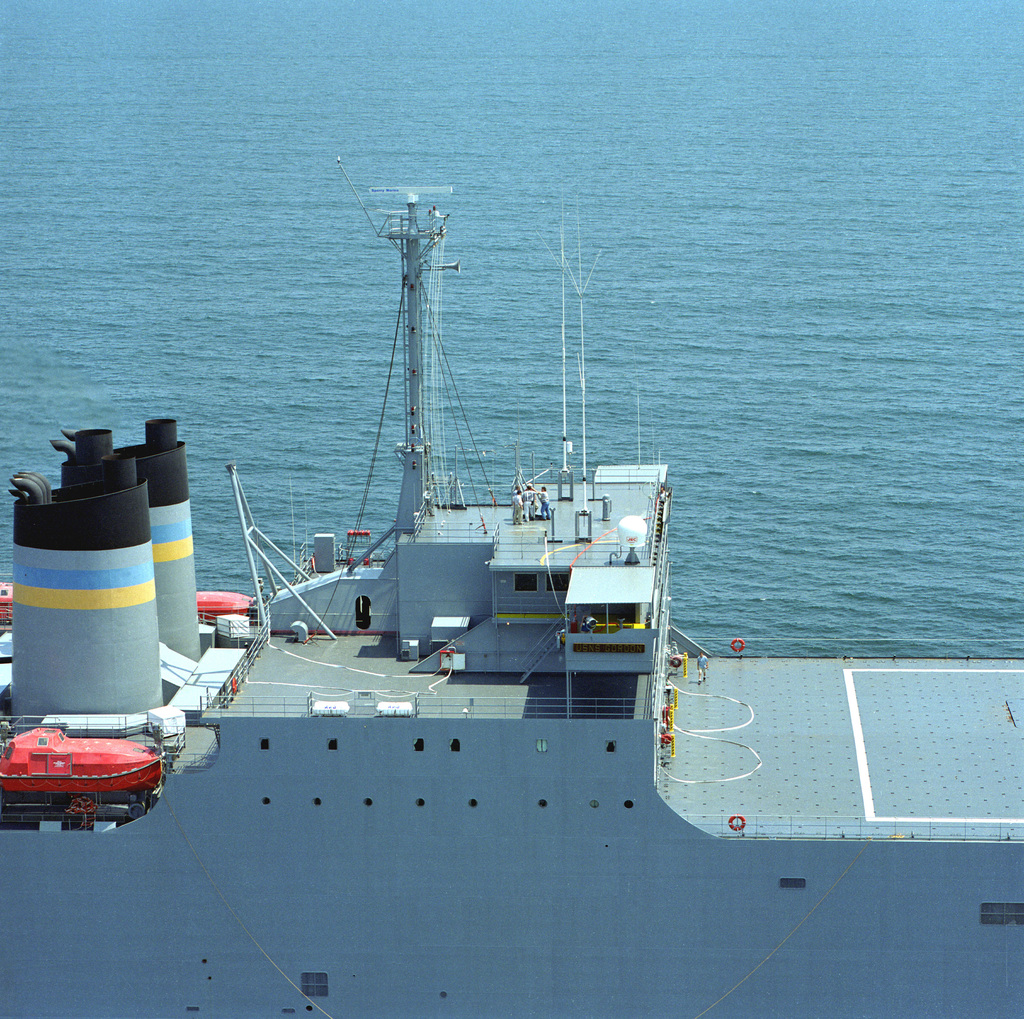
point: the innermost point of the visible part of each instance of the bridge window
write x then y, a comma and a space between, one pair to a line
526, 582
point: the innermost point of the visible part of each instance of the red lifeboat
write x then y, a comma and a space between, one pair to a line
222, 603
6, 603
48, 761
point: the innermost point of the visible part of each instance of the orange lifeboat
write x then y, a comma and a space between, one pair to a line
48, 761
222, 603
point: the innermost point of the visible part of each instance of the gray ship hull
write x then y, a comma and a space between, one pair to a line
217, 899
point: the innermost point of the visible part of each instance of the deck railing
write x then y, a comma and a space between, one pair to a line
425, 706
806, 826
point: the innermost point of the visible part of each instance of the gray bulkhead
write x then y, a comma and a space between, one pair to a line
528, 869
448, 579
335, 597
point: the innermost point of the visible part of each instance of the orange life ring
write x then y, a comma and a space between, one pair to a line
737, 822
737, 644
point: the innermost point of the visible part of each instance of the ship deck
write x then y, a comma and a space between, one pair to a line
799, 747
845, 747
363, 671
565, 538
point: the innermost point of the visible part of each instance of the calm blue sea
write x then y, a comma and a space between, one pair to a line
802, 225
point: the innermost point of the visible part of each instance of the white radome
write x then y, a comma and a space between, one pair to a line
632, 532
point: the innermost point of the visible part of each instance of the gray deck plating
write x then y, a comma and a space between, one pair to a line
355, 668
629, 491
926, 747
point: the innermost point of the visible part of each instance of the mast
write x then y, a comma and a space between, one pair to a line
565, 426
415, 243
580, 285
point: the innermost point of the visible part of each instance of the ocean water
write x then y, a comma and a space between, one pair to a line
800, 226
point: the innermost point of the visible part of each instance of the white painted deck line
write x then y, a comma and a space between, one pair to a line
858, 743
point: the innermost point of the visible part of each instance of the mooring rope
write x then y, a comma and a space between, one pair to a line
788, 936
230, 909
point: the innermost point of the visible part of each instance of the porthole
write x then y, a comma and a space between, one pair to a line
266, 800
417, 744
332, 744
455, 745
368, 801
264, 743
628, 804
542, 746
610, 746
420, 802
472, 803
316, 801
593, 803
542, 803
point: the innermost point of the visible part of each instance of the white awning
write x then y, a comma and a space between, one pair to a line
605, 585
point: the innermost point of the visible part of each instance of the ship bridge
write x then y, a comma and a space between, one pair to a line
611, 612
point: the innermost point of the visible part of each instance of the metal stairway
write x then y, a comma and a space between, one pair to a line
542, 649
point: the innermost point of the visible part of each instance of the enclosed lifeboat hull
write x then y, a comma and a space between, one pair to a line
222, 603
48, 761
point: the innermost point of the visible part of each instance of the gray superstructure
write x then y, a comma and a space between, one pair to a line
489, 784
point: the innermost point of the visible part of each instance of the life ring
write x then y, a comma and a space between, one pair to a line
737, 822
737, 644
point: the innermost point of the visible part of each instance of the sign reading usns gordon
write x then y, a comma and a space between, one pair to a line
610, 649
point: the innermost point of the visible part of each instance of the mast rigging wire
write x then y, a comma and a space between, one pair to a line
380, 423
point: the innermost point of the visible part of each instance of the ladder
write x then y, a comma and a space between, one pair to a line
541, 649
